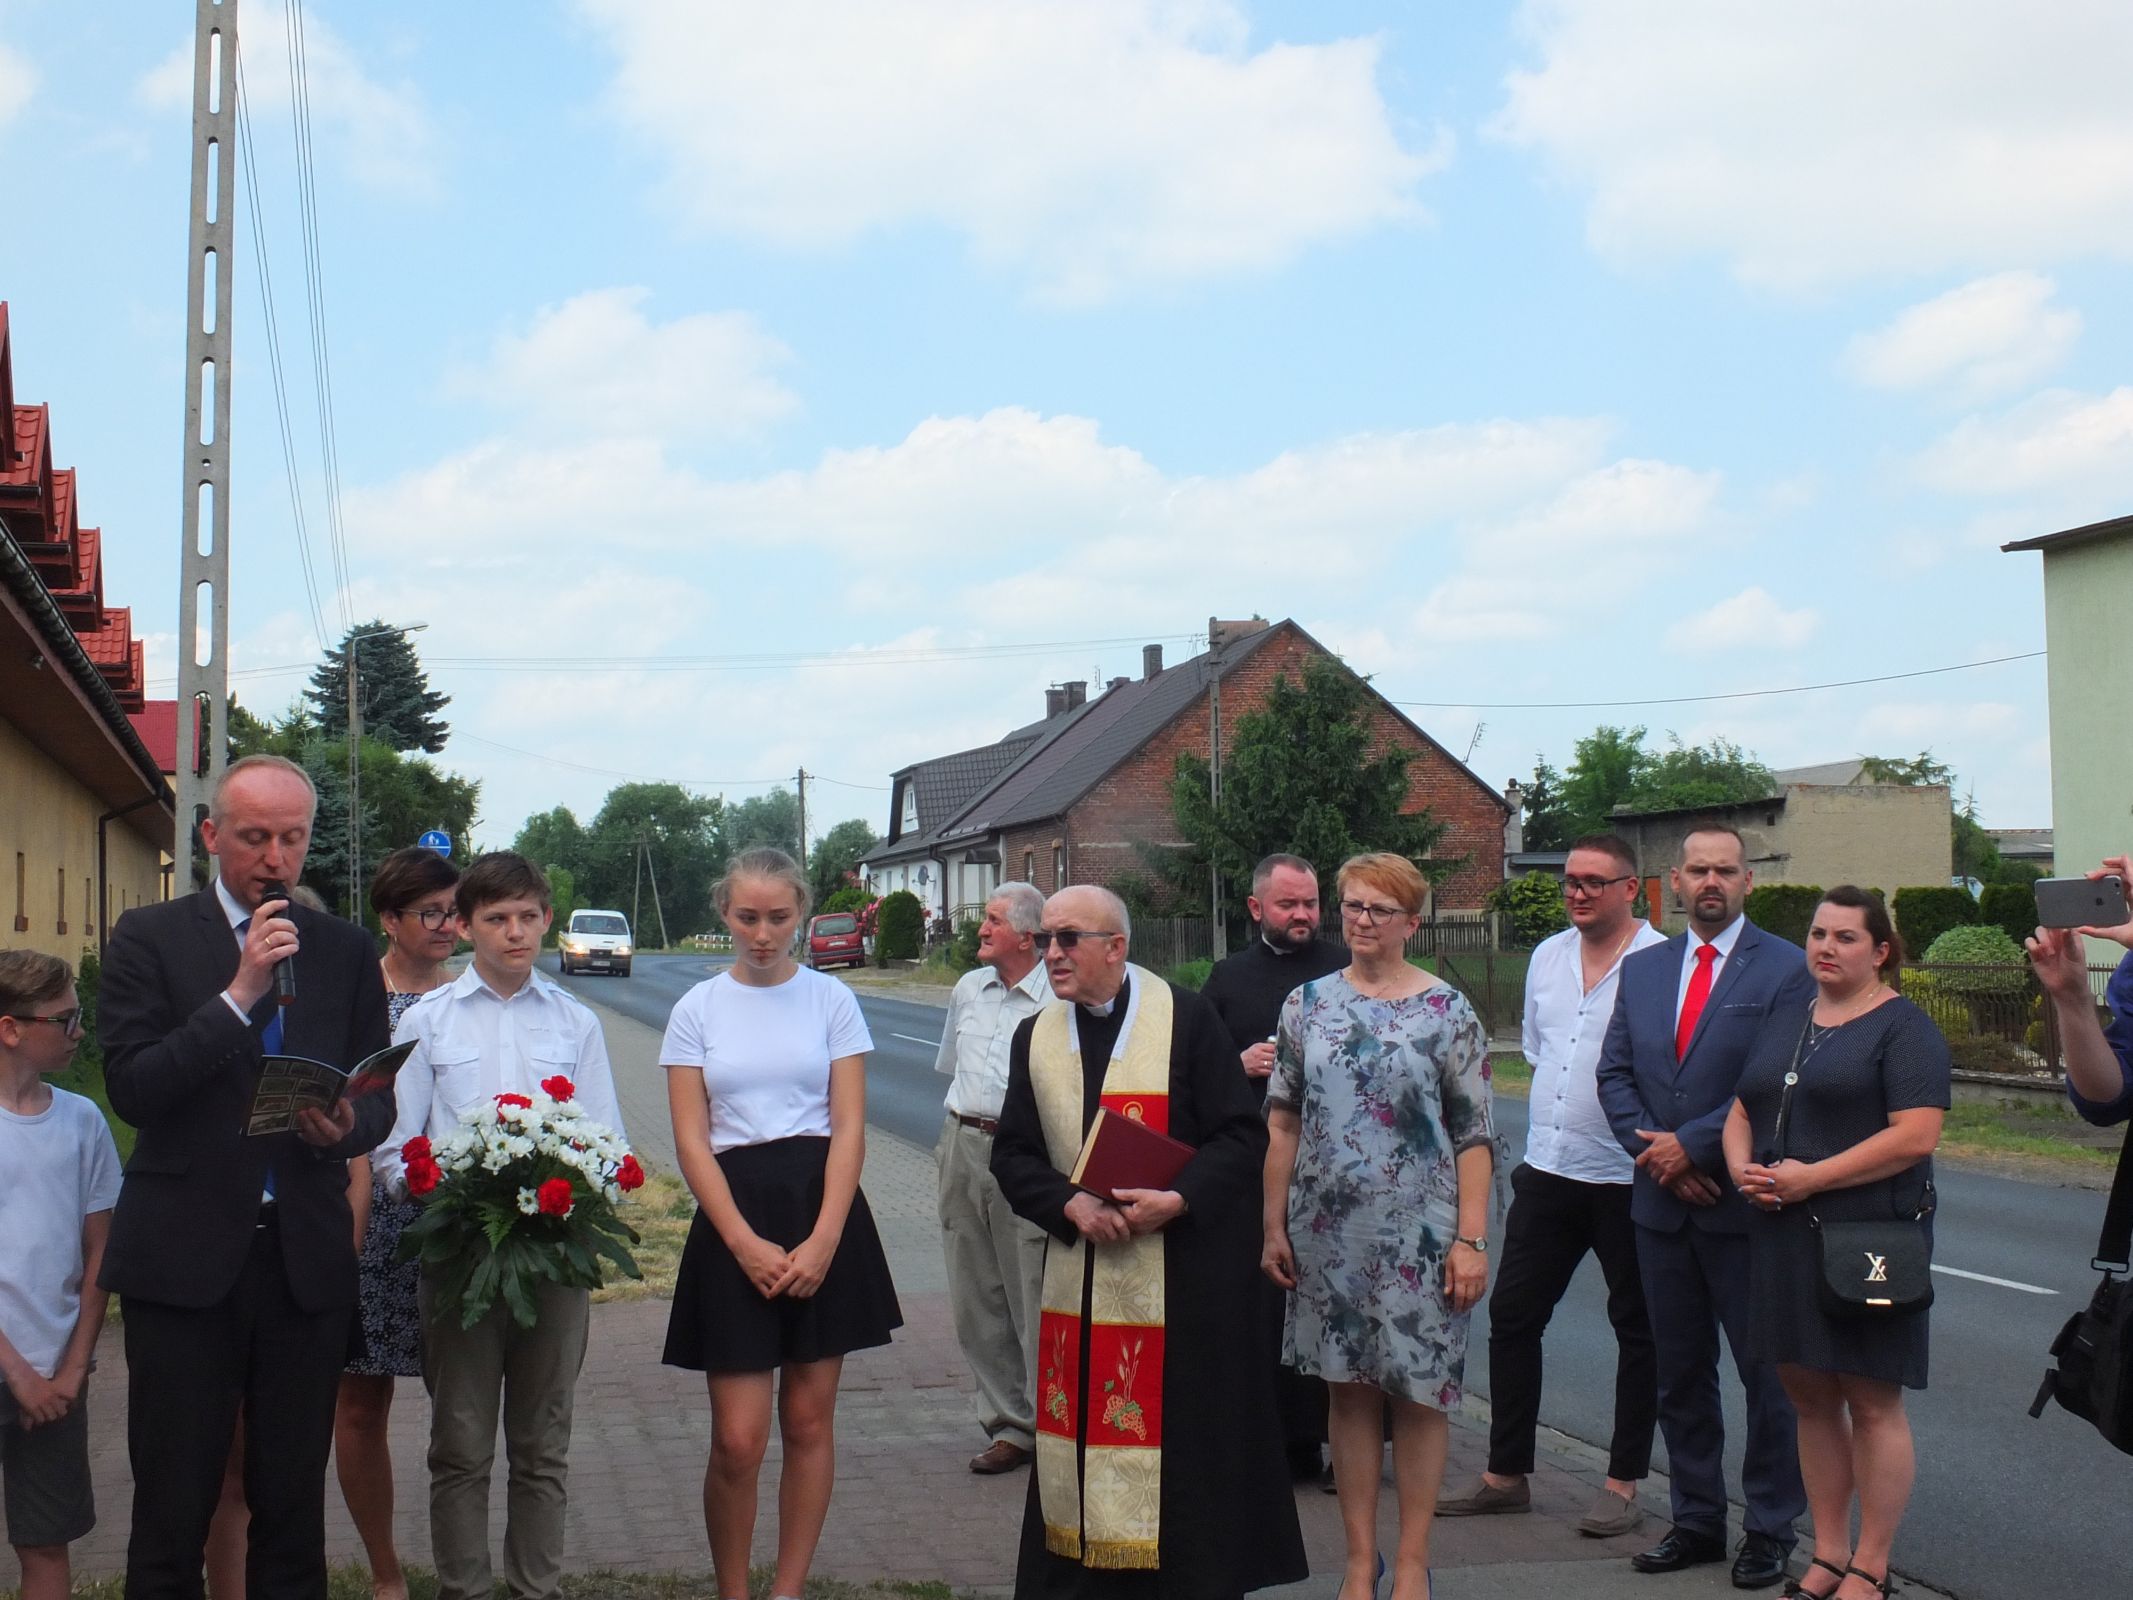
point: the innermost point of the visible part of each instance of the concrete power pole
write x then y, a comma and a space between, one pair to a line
803, 819
204, 565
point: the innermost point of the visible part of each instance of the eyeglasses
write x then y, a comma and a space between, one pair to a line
69, 1021
431, 917
1590, 886
1067, 938
1364, 911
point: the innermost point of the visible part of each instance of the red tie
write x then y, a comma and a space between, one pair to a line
1692, 1002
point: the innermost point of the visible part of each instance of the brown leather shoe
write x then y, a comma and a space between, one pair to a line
1485, 1499
998, 1457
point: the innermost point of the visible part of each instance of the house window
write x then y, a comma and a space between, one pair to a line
1029, 866
62, 899
22, 893
88, 907
909, 824
1058, 869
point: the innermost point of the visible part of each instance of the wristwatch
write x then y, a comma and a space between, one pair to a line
1480, 1245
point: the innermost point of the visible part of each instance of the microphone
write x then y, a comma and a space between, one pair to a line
285, 968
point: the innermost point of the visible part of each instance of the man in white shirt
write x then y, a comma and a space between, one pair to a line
995, 1259
1570, 1196
500, 1028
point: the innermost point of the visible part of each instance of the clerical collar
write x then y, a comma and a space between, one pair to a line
1103, 1010
1278, 949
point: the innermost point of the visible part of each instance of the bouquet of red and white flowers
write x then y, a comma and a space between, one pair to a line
524, 1191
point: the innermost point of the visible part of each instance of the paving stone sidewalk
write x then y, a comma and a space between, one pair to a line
906, 1505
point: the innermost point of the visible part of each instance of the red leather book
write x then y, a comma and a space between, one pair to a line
1120, 1153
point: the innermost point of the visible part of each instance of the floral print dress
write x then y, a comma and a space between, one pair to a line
390, 1319
1388, 1093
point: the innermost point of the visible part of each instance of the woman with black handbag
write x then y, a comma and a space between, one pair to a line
1831, 1142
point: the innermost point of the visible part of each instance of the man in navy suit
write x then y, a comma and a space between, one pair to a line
1686, 1015
233, 1256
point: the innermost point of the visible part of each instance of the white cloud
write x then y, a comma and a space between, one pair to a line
1821, 141
18, 82
1084, 146
1986, 338
1928, 725
2078, 445
381, 131
1751, 620
596, 365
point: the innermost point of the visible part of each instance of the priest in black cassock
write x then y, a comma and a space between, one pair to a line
1246, 990
1159, 1473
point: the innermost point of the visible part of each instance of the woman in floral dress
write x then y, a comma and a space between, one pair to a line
1380, 1152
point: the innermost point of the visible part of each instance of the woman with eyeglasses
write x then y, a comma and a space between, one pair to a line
412, 894
1381, 1147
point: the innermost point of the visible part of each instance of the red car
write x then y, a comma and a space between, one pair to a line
834, 939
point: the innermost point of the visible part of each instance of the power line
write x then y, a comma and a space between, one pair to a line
646, 777
272, 325
1693, 699
315, 297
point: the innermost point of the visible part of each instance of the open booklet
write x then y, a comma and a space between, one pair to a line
289, 1084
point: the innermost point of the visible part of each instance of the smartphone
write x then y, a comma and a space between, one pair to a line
2081, 902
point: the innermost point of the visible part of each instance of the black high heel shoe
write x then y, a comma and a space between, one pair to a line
1796, 1586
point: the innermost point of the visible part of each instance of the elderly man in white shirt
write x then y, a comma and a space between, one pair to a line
1571, 1195
995, 1259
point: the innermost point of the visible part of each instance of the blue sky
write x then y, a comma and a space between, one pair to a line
1579, 350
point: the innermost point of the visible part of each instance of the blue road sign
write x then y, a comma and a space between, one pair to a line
438, 840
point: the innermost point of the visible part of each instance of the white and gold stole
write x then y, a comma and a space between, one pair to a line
1108, 1513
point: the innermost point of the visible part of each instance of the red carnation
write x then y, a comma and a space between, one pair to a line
629, 1175
514, 1100
558, 1087
555, 1197
416, 1149
422, 1176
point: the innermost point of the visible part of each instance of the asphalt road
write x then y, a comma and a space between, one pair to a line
2005, 1507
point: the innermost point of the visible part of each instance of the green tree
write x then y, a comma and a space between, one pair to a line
679, 835
1547, 825
1299, 776
1684, 776
836, 855
398, 705
899, 927
772, 818
403, 797
1604, 769
1972, 852
563, 897
1534, 904
552, 840
1906, 771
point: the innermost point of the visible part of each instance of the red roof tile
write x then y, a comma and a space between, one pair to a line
157, 725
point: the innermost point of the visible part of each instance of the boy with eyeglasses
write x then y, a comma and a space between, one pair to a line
62, 1179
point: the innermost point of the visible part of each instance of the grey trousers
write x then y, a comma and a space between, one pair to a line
530, 1374
995, 1277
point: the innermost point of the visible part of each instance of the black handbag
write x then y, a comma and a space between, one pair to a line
1870, 1269
2092, 1374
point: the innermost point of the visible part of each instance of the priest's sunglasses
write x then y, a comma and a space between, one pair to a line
1067, 938
1591, 886
69, 1021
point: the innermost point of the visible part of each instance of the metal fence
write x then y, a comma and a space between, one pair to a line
1993, 1016
1161, 943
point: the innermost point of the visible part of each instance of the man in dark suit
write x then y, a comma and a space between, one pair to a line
1687, 1013
234, 1256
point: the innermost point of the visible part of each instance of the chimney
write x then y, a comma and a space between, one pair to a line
1514, 826
1116, 683
1054, 703
1151, 660
1077, 691
1220, 633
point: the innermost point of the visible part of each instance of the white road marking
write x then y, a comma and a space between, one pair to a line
1997, 1283
912, 1038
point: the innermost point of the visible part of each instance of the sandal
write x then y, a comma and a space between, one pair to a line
1883, 1583
1797, 1586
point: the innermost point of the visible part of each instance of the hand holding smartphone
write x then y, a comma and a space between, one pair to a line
2098, 902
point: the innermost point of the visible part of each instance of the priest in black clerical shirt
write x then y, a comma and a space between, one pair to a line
1158, 1472
1247, 990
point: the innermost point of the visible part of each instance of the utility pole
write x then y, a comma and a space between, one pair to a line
651, 868
204, 563
803, 819
637, 892
355, 767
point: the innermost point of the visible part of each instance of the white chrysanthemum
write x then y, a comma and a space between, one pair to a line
529, 1202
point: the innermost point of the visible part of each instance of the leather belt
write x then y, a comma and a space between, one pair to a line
985, 1125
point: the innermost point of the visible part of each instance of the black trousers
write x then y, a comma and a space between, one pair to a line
187, 1373
1554, 1221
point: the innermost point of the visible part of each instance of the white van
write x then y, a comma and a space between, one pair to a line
595, 941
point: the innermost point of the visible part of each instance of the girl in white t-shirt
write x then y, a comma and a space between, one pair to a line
783, 1269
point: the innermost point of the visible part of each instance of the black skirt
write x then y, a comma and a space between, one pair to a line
1784, 1264
722, 1323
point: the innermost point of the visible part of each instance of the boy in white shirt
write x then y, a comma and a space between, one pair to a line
62, 1179
499, 1028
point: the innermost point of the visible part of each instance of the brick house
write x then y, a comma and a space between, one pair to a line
1084, 790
